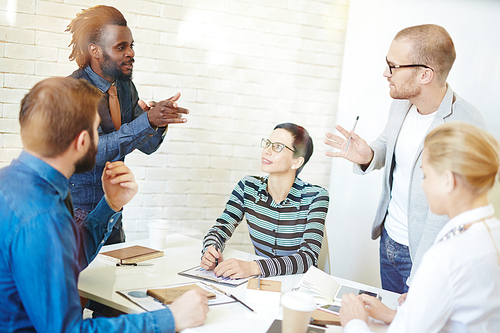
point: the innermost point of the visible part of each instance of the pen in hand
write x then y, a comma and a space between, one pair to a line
350, 135
216, 259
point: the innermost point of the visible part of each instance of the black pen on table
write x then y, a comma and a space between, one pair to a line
237, 300
133, 264
228, 294
350, 135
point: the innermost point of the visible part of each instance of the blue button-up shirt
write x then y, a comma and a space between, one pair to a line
114, 145
42, 252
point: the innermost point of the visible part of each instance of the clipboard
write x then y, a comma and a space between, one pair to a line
202, 274
139, 297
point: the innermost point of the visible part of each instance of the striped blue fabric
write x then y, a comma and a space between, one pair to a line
288, 234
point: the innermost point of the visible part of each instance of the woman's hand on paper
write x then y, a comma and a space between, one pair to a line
211, 258
237, 269
190, 309
352, 308
377, 310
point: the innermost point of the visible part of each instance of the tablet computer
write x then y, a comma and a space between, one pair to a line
348, 290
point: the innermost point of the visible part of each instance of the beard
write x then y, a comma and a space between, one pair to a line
407, 90
87, 162
110, 69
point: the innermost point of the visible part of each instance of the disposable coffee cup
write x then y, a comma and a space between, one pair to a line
158, 230
297, 311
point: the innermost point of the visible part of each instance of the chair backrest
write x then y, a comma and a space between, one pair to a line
324, 256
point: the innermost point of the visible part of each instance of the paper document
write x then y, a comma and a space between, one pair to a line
202, 274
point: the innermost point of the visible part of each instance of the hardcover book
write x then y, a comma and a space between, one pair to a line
131, 254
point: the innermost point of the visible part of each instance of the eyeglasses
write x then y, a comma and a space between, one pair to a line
391, 67
277, 146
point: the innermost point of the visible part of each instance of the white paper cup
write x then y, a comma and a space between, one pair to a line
158, 230
297, 311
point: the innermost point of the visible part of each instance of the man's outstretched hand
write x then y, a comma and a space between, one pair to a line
164, 112
358, 151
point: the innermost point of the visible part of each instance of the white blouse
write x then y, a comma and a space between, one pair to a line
457, 286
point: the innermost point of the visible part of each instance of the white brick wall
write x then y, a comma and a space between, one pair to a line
241, 67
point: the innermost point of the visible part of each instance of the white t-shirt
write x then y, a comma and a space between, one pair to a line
410, 137
457, 286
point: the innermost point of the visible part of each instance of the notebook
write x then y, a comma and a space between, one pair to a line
168, 295
131, 254
325, 289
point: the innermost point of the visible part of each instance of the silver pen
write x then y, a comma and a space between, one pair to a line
350, 135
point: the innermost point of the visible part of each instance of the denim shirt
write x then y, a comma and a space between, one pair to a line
134, 133
42, 252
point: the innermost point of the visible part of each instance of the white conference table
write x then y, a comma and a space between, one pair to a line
102, 278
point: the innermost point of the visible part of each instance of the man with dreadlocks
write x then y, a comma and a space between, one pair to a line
102, 46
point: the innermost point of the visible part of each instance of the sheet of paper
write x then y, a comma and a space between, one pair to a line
139, 297
200, 273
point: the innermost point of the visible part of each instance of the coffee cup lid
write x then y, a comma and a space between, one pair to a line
158, 224
299, 301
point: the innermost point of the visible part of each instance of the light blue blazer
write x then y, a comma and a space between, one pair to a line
423, 225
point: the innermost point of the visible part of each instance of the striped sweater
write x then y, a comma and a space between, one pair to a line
288, 234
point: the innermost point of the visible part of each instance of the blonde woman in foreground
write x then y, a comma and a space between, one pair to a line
457, 286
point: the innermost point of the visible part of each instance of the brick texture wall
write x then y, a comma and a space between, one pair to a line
241, 67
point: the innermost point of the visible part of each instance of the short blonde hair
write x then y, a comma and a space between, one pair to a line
55, 111
465, 150
431, 45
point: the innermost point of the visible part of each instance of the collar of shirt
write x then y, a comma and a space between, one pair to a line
293, 198
101, 84
46, 172
464, 218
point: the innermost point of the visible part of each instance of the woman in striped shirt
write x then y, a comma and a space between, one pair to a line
285, 216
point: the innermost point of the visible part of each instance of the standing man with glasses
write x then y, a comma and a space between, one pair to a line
103, 47
418, 63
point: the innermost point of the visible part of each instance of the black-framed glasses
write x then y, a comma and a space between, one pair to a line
391, 67
277, 146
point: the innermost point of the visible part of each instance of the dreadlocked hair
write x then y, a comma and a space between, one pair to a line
87, 28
